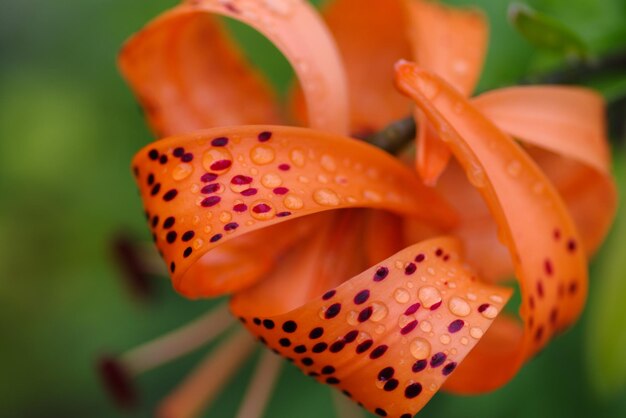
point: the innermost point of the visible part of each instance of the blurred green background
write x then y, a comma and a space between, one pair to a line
68, 129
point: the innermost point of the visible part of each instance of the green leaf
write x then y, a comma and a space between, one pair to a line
546, 32
606, 333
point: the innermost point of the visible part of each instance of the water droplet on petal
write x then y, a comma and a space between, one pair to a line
420, 348
262, 154
514, 168
401, 295
271, 180
293, 202
297, 157
459, 306
326, 197
380, 311
182, 171
429, 296
476, 332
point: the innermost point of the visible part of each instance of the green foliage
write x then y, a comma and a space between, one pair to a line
545, 32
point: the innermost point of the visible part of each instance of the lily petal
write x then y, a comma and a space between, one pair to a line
532, 219
570, 123
209, 187
171, 66
371, 38
389, 337
452, 43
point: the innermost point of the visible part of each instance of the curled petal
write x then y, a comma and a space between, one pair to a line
370, 37
452, 43
389, 337
209, 187
532, 220
188, 75
568, 122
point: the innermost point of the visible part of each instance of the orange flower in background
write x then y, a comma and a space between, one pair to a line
228, 205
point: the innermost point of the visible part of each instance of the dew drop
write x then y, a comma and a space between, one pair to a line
217, 160
426, 326
429, 296
445, 339
476, 176
490, 312
459, 306
293, 202
352, 318
262, 210
182, 171
401, 295
279, 7
420, 348
326, 197
328, 163
476, 332
262, 154
380, 311
297, 157
514, 168
271, 180
225, 216
379, 329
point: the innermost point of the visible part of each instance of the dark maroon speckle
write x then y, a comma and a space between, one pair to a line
547, 265
456, 325
211, 201
188, 236
187, 252
284, 167
155, 189
412, 309
163, 159
231, 226
386, 374
435, 306
351, 336
437, 359
361, 297
337, 346
419, 258
153, 154
419, 365
408, 327
216, 238
249, 192
268, 323
316, 333
380, 274
171, 237
265, 136
364, 346
571, 245
210, 188
365, 314
281, 190
240, 207
221, 165
448, 368
412, 390
410, 269
187, 157
169, 222
329, 294
332, 311
283, 214
241, 179
178, 152
290, 326
208, 177
319, 348
482, 308
170, 195
219, 142
378, 351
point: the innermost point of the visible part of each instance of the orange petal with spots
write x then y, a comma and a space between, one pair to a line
451, 43
371, 38
188, 75
388, 337
532, 219
569, 123
209, 187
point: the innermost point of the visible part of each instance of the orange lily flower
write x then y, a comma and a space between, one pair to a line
227, 205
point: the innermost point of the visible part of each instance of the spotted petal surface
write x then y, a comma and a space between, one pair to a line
203, 189
533, 223
388, 337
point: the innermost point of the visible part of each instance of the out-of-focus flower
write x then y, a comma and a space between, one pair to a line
390, 336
